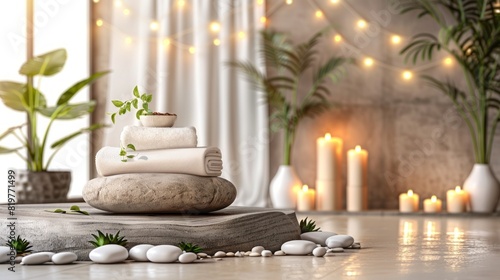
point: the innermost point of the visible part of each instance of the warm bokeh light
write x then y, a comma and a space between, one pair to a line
126, 12
407, 75
215, 26
328, 136
260, 2
263, 19
192, 50
241, 34
99, 22
289, 2
181, 3
216, 42
334, 1
448, 61
410, 192
154, 25
433, 198
337, 38
368, 61
318, 14
458, 189
96, 1
395, 39
305, 188
128, 40
166, 42
118, 3
358, 148
362, 23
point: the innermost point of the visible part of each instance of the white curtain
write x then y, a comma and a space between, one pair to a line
169, 49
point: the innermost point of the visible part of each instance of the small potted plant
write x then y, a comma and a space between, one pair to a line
144, 114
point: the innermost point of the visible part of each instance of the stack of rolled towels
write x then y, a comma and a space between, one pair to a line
160, 150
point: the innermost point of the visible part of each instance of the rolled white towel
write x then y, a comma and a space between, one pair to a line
202, 161
152, 138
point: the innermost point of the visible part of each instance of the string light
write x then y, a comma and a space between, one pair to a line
407, 75
448, 61
99, 22
362, 23
368, 61
126, 12
260, 2
241, 34
216, 42
154, 25
215, 26
166, 42
118, 3
128, 40
96, 1
319, 14
263, 19
496, 7
181, 3
337, 38
192, 50
334, 1
395, 39
289, 2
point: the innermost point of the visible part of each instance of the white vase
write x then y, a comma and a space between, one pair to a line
483, 189
284, 187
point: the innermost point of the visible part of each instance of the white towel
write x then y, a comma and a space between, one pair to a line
202, 161
152, 138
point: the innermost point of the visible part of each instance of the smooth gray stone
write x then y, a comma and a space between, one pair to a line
318, 237
159, 193
339, 241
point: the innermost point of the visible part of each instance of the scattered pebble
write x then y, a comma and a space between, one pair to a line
247, 253
318, 237
329, 255
254, 254
219, 254
335, 250
229, 254
64, 258
266, 253
110, 253
187, 257
36, 258
238, 254
298, 247
202, 255
257, 249
164, 254
138, 252
355, 246
279, 253
342, 241
319, 251
218, 259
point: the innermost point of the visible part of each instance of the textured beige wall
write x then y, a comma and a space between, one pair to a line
411, 131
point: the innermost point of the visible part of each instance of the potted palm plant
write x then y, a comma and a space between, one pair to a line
472, 38
288, 63
37, 184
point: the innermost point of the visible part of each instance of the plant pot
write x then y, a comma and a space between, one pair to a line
158, 120
284, 187
42, 187
483, 189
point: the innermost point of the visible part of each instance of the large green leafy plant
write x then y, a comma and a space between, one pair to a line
289, 64
24, 97
470, 33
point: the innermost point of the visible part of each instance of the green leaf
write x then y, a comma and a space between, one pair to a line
127, 106
56, 211
117, 103
4, 150
46, 64
145, 106
113, 116
15, 96
10, 130
130, 156
131, 146
122, 111
149, 98
74, 208
123, 152
69, 111
74, 89
136, 92
139, 113
124, 160
135, 103
63, 140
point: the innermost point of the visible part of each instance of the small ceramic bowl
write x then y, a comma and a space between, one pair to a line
158, 120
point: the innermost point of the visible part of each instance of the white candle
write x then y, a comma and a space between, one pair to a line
328, 176
456, 200
305, 199
357, 184
408, 202
432, 205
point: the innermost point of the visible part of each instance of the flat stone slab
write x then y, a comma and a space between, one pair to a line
159, 193
231, 229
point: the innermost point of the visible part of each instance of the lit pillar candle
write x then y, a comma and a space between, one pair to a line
357, 184
328, 177
432, 205
456, 200
408, 202
305, 199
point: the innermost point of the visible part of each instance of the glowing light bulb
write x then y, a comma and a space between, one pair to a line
328, 136
496, 7
305, 188
126, 12
99, 22
166, 42
181, 3
118, 3
263, 19
410, 193
395, 39
241, 34
337, 38
448, 61
458, 189
334, 1
407, 75
318, 14
192, 50
128, 40
358, 148
362, 23
96, 1
154, 25
216, 42
260, 2
433, 198
368, 61
215, 26
289, 2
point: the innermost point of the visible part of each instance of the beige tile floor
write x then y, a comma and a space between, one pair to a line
394, 247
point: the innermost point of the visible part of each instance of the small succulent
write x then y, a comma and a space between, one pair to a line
189, 247
104, 239
22, 246
308, 226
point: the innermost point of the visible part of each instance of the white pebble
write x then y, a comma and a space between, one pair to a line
298, 247
254, 254
355, 246
218, 259
329, 255
229, 254
36, 258
247, 253
4, 254
319, 251
187, 257
335, 250
110, 253
219, 254
339, 241
257, 249
266, 253
202, 255
64, 258
238, 254
163, 254
139, 252
318, 237
279, 253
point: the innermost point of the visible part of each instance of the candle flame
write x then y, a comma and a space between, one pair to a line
305, 188
358, 148
458, 189
410, 193
433, 198
328, 136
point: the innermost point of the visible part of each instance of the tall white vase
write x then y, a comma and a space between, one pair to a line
284, 187
483, 189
